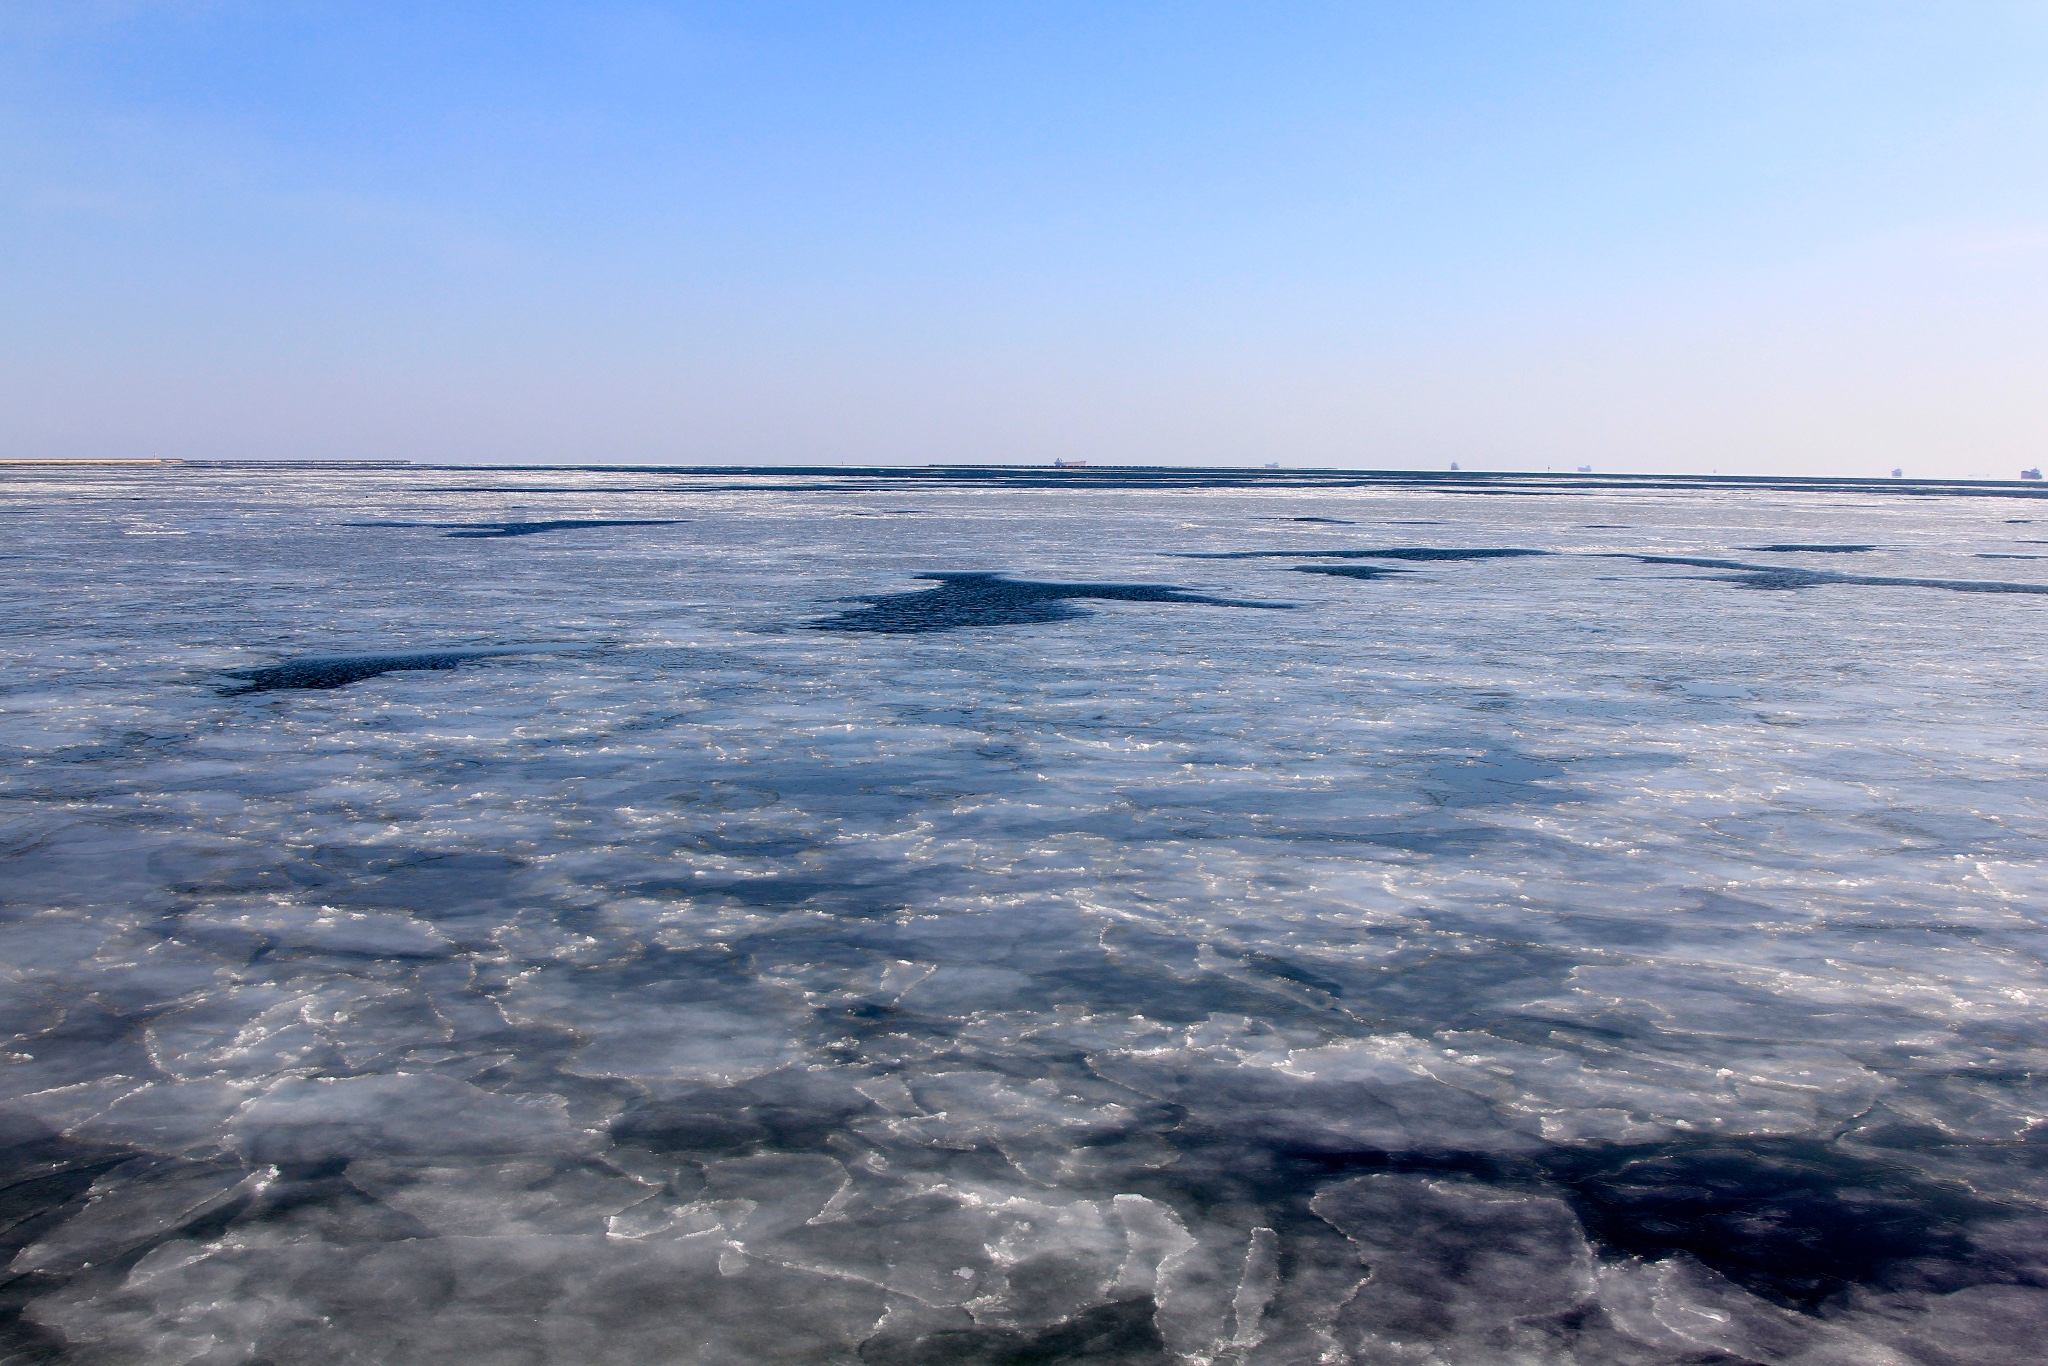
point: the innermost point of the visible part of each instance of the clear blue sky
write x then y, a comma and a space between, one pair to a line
1749, 235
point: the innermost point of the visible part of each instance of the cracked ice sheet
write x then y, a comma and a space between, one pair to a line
1556, 958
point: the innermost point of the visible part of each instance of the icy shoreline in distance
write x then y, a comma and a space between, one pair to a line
1556, 957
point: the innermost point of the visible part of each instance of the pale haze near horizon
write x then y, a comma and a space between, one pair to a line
1781, 238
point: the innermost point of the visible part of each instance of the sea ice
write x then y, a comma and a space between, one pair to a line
1191, 921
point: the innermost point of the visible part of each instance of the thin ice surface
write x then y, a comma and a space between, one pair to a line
1527, 958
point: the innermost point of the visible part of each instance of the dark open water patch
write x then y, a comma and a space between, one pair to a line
482, 531
336, 671
44, 1180
1425, 553
1782, 578
1796, 1221
1788, 548
1330, 521
1350, 571
965, 600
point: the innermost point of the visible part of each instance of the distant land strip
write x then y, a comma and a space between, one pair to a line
805, 478
1107, 477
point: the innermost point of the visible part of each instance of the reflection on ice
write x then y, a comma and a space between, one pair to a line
1587, 965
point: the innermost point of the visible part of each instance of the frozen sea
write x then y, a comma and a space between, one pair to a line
633, 917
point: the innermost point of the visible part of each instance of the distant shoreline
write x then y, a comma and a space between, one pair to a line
1104, 477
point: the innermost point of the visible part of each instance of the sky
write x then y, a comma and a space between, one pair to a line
1745, 236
